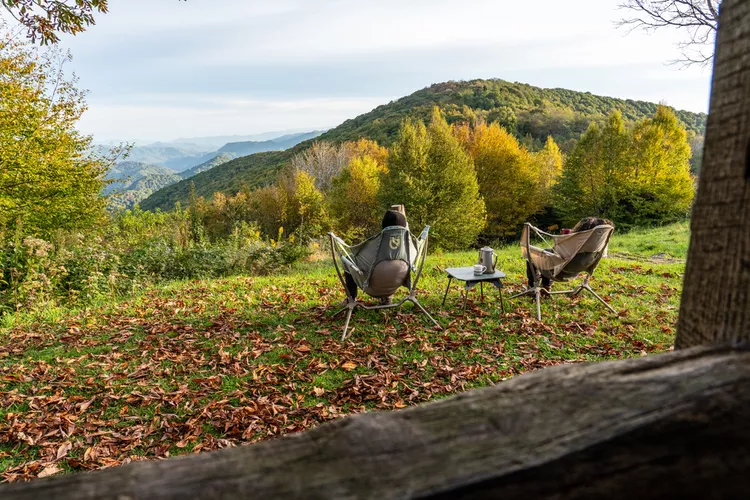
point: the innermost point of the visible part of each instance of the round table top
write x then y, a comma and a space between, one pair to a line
467, 274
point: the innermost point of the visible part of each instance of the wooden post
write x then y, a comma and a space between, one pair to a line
715, 302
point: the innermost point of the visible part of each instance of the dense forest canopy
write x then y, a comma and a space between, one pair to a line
529, 113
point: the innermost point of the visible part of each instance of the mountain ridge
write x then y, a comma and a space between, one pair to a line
532, 113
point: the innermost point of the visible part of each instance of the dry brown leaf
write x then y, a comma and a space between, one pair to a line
49, 471
64, 449
349, 366
319, 391
85, 405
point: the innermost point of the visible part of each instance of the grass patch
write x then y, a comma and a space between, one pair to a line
198, 365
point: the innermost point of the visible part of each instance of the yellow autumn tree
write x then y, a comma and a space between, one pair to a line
507, 174
353, 199
549, 164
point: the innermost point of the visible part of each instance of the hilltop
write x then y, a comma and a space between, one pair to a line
531, 113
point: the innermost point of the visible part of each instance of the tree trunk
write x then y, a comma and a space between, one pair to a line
715, 303
675, 425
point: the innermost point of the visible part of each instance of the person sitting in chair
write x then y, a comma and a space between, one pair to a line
583, 225
386, 271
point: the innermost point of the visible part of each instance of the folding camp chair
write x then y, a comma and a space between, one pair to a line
363, 263
570, 255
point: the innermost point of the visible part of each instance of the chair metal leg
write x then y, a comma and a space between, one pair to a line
450, 280
563, 292
537, 297
588, 289
346, 325
340, 311
416, 303
527, 291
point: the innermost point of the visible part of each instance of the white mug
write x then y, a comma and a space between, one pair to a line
479, 269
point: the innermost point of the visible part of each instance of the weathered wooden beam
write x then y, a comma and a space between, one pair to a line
715, 304
662, 426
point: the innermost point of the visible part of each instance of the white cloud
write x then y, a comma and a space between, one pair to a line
299, 63
217, 116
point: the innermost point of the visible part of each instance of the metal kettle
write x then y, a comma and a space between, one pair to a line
488, 259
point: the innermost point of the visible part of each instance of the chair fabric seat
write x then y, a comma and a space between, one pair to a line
386, 278
583, 262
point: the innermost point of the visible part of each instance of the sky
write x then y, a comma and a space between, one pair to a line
157, 70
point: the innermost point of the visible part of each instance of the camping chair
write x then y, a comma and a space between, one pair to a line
375, 266
570, 255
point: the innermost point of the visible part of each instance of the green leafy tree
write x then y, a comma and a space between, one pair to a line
508, 180
49, 177
307, 213
430, 173
663, 184
549, 163
634, 177
267, 206
44, 19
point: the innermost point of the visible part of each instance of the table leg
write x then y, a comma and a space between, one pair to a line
450, 280
502, 302
466, 296
481, 289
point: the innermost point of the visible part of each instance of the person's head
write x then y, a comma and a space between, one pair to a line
590, 223
393, 218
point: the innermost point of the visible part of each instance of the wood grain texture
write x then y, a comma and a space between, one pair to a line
715, 303
653, 427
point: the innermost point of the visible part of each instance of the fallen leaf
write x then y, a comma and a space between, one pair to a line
49, 471
349, 366
64, 449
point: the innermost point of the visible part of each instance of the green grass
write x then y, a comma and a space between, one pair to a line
200, 365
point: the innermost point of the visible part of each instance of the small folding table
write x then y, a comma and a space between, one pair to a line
466, 274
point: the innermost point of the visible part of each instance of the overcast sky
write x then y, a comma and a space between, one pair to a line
162, 69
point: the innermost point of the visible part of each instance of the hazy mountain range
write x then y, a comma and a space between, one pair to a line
152, 167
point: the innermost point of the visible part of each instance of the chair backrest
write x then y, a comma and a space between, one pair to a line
392, 244
570, 255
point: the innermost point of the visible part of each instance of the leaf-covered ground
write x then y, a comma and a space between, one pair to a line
209, 364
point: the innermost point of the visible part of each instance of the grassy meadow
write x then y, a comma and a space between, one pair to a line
206, 364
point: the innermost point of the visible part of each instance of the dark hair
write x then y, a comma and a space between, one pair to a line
590, 223
393, 218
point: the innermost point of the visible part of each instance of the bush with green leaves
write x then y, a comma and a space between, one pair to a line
637, 176
136, 249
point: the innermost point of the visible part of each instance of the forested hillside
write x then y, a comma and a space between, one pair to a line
132, 181
208, 165
530, 113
